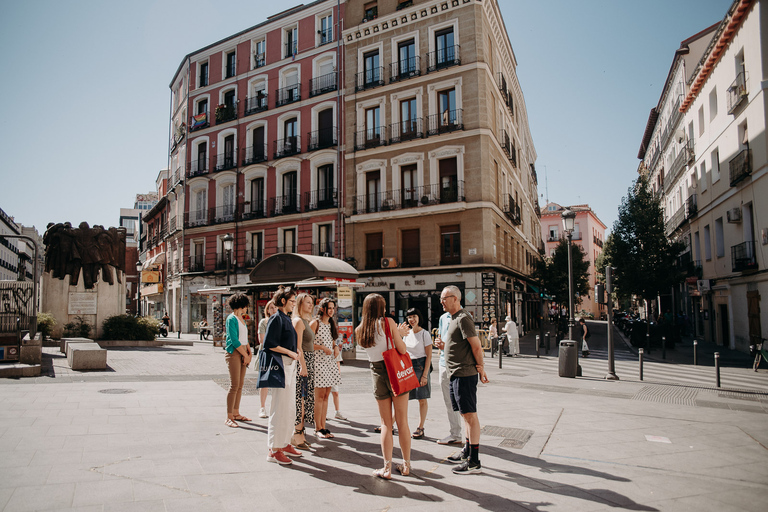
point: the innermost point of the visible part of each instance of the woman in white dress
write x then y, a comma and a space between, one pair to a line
512, 337
326, 369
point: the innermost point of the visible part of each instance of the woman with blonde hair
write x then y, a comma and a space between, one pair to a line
371, 335
326, 368
269, 310
305, 378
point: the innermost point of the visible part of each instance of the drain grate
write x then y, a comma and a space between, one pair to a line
116, 391
667, 395
513, 437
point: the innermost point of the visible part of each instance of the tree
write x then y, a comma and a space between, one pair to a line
644, 258
553, 273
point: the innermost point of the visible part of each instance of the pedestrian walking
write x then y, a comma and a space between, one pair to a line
585, 334
326, 368
269, 310
238, 357
454, 418
464, 361
280, 339
513, 338
305, 378
418, 342
493, 333
370, 335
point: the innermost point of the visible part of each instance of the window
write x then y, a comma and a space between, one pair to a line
325, 240
411, 253
374, 250
371, 68
231, 65
707, 243
715, 165
325, 129
446, 104
701, 120
289, 203
325, 188
370, 11
713, 104
229, 161
703, 176
260, 58
326, 29
197, 263
257, 197
257, 249
372, 191
448, 180
372, 126
202, 159
202, 107
227, 212
203, 74
290, 136
406, 55
552, 234
696, 248
257, 152
450, 245
201, 207
719, 240
408, 119
291, 42
289, 240
445, 49
409, 194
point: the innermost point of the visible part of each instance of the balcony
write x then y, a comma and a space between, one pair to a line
256, 104
576, 236
252, 258
325, 249
199, 121
320, 199
553, 239
506, 143
448, 121
221, 261
255, 210
691, 207
287, 95
406, 130
505, 92
284, 205
196, 264
743, 257
198, 167
196, 218
322, 84
371, 138
291, 49
737, 92
255, 154
326, 36
321, 139
512, 210
287, 147
444, 58
415, 197
405, 69
223, 214
259, 60
226, 161
597, 241
177, 176
676, 220
740, 166
682, 159
226, 112
369, 79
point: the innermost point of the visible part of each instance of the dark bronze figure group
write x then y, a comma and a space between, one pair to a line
90, 249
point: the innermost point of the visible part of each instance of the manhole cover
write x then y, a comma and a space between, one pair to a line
513, 437
116, 391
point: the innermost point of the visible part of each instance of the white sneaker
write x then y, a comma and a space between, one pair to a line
263, 413
339, 416
448, 440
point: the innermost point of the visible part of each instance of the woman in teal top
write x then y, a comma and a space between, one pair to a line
238, 356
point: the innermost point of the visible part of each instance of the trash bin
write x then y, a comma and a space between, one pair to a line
568, 361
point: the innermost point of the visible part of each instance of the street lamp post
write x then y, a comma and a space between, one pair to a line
569, 217
139, 266
228, 241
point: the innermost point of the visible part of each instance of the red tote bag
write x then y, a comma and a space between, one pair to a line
399, 366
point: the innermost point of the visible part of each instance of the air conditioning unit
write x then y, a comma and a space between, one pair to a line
734, 215
389, 263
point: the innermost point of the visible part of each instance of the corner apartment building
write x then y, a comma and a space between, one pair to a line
254, 153
724, 112
588, 233
440, 185
154, 232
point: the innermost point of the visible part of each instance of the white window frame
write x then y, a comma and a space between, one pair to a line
282, 230
220, 143
199, 63
436, 88
224, 64
319, 27
441, 26
369, 166
442, 153
397, 164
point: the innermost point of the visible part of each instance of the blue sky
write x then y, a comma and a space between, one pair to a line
87, 98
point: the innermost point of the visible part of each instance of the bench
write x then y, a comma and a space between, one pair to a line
86, 356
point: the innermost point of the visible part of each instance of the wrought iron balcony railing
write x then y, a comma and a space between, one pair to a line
743, 257
676, 220
404, 69
371, 138
444, 58
196, 218
445, 122
326, 36
284, 205
222, 258
199, 121
223, 214
512, 210
259, 60
226, 161
325, 249
369, 78
286, 95
691, 206
287, 147
255, 104
320, 199
252, 258
226, 112
409, 198
403, 131
740, 166
737, 92
255, 154
505, 142
322, 84
255, 210
320, 139
291, 49
197, 167
196, 264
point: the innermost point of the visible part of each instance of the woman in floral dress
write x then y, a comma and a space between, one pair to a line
326, 370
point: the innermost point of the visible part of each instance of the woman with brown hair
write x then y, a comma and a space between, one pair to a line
371, 335
326, 369
238, 357
305, 378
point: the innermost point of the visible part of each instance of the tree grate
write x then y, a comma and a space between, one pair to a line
513, 437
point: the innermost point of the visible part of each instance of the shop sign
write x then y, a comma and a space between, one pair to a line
150, 276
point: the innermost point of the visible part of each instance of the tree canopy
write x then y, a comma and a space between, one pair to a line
553, 273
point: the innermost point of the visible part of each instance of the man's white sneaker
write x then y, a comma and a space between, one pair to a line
339, 416
448, 440
263, 413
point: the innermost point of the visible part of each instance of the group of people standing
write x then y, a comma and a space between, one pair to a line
306, 349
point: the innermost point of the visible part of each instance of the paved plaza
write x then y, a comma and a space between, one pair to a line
148, 434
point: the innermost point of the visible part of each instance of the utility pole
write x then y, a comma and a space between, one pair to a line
609, 290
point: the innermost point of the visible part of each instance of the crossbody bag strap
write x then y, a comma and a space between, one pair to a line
388, 333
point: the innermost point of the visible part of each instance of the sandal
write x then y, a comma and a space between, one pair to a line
303, 446
385, 472
418, 433
231, 423
378, 430
303, 442
404, 468
324, 433
240, 417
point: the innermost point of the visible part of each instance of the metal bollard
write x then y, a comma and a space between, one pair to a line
538, 340
640, 354
663, 347
695, 343
648, 342
546, 343
717, 368
498, 347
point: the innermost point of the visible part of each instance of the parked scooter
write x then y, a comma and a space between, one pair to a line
163, 330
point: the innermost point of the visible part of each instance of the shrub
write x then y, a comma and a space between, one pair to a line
80, 328
45, 324
127, 327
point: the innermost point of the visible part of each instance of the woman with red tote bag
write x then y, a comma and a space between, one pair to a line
371, 334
